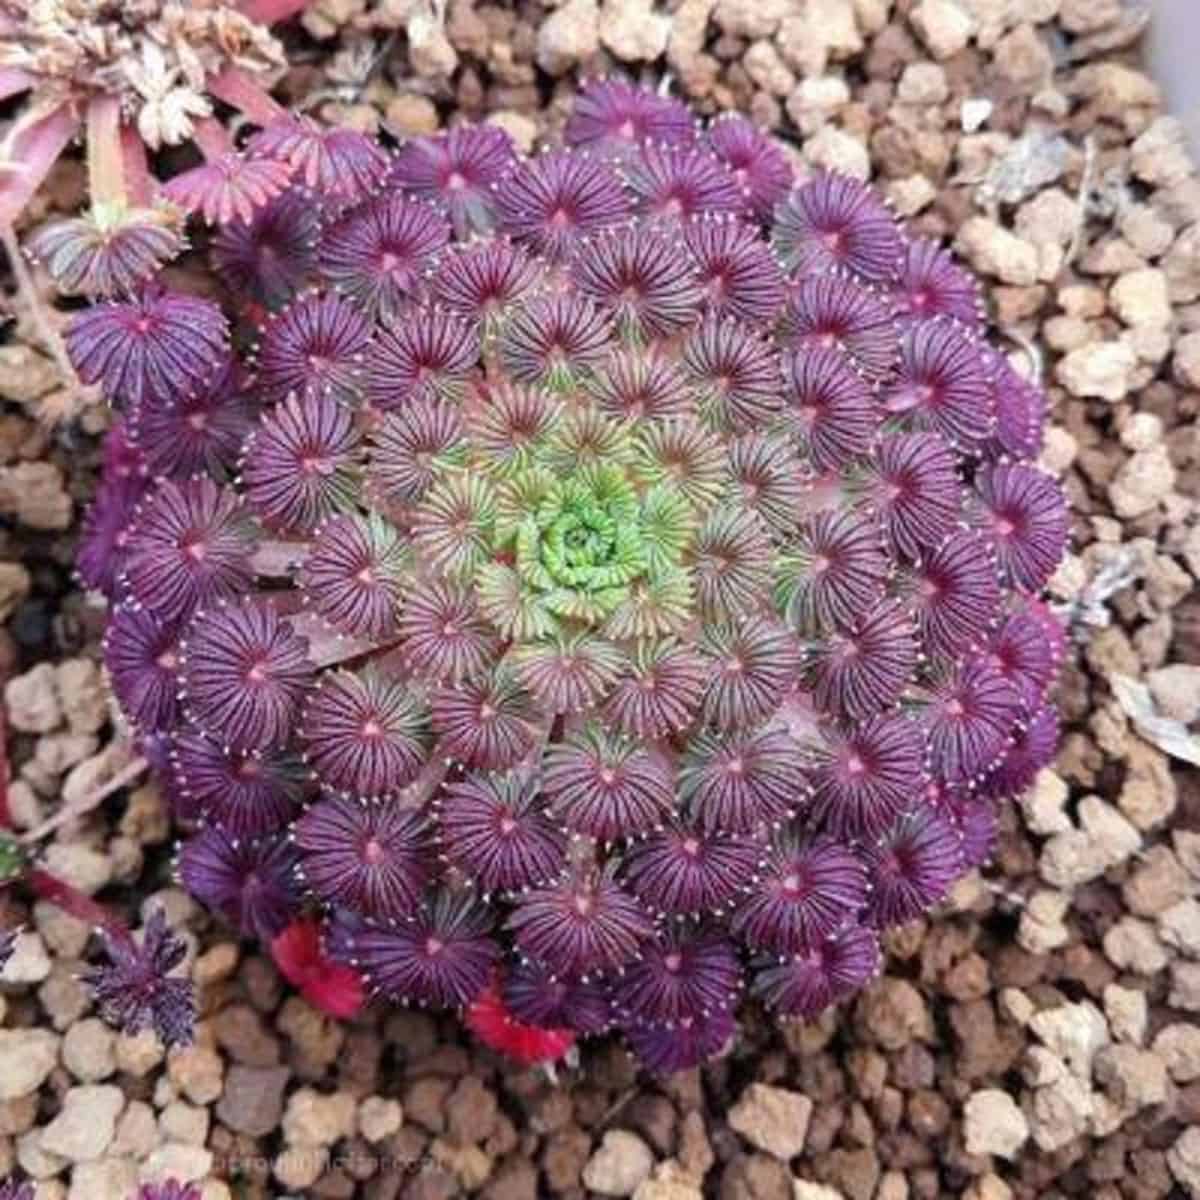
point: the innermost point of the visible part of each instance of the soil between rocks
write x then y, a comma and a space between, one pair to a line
1040, 1038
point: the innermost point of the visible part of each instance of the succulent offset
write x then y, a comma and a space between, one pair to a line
602, 583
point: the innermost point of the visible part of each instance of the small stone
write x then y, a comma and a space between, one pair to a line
943, 26
836, 150
411, 115
772, 1119
993, 1124
802, 1189
1023, 58
1101, 370
1184, 1160
79, 865
29, 962
1185, 986
995, 251
634, 30
1157, 883
1060, 1111
35, 495
1187, 359
669, 1182
1149, 795
85, 1125
15, 584
522, 129
379, 1117
1161, 155
198, 1071
1178, 1046
32, 701
317, 1119
1143, 481
177, 1160
923, 83
568, 36
620, 1164
1041, 928
138, 1054
1044, 804
137, 1131
1176, 691
105, 1179
87, 1050
252, 1100
1132, 945
1141, 298
1127, 1014
751, 19
182, 1122
429, 49
1179, 926
1072, 1032
1134, 1078
27, 1056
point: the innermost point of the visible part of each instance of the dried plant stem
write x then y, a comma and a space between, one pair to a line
90, 800
105, 161
51, 339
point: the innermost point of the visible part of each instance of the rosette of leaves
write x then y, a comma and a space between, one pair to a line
605, 585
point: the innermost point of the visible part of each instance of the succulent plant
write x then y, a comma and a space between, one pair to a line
601, 587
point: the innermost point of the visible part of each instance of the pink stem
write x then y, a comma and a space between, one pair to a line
73, 902
212, 137
14, 80
30, 150
106, 168
268, 12
236, 88
141, 186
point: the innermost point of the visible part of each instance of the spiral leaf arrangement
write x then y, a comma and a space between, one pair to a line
604, 582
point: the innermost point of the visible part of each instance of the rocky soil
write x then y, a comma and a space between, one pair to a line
1041, 1038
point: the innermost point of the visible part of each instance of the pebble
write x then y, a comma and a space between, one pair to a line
87, 869
1178, 1045
1176, 691
568, 35
1101, 370
634, 30
104, 1179
836, 150
1141, 298
1142, 482
29, 962
1134, 1078
88, 1050
315, 1118
1044, 804
1042, 928
32, 700
1126, 1012
252, 1100
803, 1189
998, 252
197, 1071
86, 1123
15, 585
34, 494
1184, 1159
772, 1119
943, 26
1157, 883
177, 1160
1073, 1033
1133, 945
27, 1056
1179, 926
379, 1117
620, 1164
1078, 856
993, 1124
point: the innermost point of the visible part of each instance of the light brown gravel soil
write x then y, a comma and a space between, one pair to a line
1041, 1037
